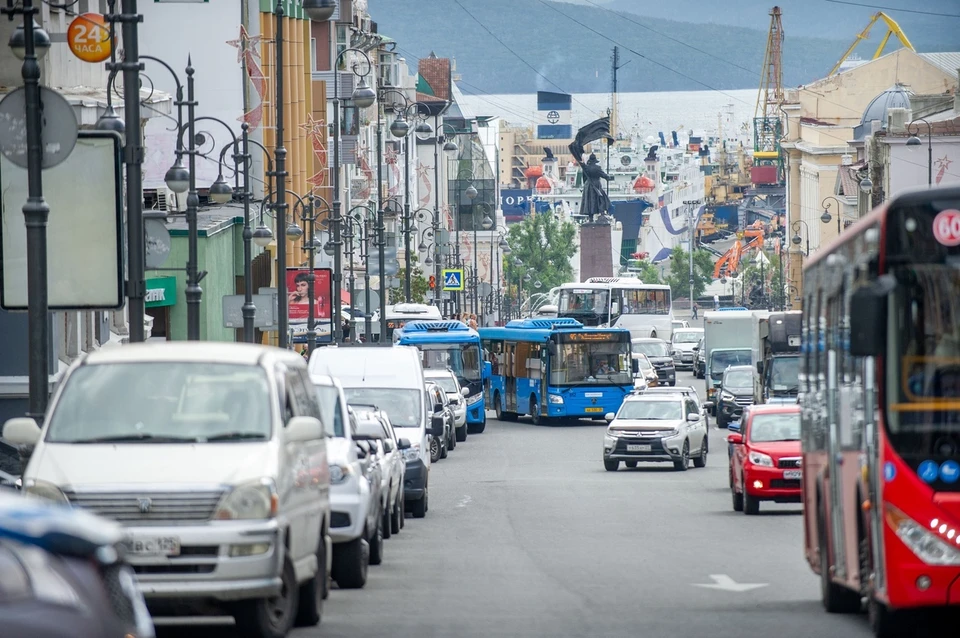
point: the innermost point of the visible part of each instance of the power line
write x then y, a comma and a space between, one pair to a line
875, 6
517, 55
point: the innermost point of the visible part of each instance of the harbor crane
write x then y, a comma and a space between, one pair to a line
767, 122
892, 29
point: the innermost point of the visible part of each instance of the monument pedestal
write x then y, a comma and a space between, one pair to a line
596, 250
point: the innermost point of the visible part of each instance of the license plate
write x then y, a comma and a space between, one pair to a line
792, 474
163, 546
593, 410
638, 448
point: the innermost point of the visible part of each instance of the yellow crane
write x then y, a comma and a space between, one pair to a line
892, 29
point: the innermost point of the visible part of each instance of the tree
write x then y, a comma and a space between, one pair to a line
419, 287
647, 272
679, 277
544, 244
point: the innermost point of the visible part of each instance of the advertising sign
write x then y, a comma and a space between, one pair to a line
298, 304
89, 38
515, 203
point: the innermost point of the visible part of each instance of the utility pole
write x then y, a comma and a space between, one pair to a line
692, 227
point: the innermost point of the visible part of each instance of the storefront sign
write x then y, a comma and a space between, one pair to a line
161, 291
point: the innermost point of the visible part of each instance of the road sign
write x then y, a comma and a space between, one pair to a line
89, 38
266, 310
59, 133
452, 279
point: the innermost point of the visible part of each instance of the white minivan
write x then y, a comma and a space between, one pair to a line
390, 378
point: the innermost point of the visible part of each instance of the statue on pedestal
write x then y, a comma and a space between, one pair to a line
595, 201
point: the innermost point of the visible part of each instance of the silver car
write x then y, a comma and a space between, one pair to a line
656, 427
374, 426
449, 383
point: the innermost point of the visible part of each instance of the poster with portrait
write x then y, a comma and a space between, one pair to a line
298, 302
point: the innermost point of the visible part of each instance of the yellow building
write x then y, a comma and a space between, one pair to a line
820, 122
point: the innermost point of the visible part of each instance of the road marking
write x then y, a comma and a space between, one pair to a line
464, 501
725, 583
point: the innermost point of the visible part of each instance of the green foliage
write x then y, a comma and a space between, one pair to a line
545, 244
647, 272
419, 286
679, 277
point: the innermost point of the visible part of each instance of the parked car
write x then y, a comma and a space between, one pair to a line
63, 574
447, 441
699, 360
186, 434
658, 351
371, 469
766, 460
679, 324
391, 377
448, 382
351, 500
656, 427
374, 426
645, 371
736, 391
682, 343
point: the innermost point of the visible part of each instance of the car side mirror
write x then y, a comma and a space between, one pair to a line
609, 416
735, 439
21, 431
436, 425
403, 444
361, 450
487, 370
759, 367
552, 348
636, 366
387, 445
303, 428
708, 405
693, 417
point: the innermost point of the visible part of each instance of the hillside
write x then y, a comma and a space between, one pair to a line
561, 42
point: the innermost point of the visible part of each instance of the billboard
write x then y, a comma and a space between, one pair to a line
298, 304
515, 203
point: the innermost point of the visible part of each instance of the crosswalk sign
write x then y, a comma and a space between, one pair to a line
453, 279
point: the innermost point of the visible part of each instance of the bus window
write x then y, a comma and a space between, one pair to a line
645, 302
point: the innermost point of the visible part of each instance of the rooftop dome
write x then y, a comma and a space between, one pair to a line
897, 96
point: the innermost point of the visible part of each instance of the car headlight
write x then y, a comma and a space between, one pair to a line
924, 542
45, 490
340, 473
726, 396
673, 432
556, 399
412, 453
255, 500
758, 458
613, 433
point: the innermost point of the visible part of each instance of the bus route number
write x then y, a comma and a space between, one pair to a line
590, 336
946, 227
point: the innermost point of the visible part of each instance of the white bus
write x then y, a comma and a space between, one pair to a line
645, 310
400, 314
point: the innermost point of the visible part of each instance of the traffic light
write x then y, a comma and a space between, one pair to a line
433, 282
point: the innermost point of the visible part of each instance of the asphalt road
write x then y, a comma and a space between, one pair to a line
528, 535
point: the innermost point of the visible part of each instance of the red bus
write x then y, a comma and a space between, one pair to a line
880, 412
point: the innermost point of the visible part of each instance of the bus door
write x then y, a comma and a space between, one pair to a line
834, 456
510, 376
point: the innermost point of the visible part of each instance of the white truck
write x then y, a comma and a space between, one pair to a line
727, 341
776, 357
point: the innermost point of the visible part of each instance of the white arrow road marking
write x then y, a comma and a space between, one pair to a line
725, 583
463, 501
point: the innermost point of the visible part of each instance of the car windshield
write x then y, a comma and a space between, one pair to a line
652, 348
331, 410
596, 363
650, 410
723, 359
775, 427
738, 379
163, 402
448, 384
686, 337
462, 358
401, 405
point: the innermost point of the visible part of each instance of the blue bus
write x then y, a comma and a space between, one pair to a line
555, 368
451, 345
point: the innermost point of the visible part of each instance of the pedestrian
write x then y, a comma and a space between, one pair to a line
716, 302
473, 322
695, 308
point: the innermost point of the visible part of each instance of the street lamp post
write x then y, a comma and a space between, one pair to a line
309, 214
365, 258
450, 148
381, 229
915, 141
280, 154
421, 214
826, 218
36, 212
692, 227
353, 222
504, 250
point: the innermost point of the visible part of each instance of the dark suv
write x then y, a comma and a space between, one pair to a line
658, 351
736, 392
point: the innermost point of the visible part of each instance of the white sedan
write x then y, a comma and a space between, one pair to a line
458, 403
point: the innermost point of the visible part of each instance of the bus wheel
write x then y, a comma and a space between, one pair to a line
836, 598
535, 416
884, 622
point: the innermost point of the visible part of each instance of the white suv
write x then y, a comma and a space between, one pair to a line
213, 458
656, 427
448, 382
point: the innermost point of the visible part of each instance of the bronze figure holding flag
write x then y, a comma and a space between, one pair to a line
595, 200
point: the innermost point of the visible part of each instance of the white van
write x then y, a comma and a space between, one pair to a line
391, 378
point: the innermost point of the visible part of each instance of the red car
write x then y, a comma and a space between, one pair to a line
765, 457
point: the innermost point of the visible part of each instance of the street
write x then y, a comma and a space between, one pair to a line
527, 535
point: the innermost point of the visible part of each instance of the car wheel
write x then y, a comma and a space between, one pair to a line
611, 465
270, 617
737, 497
462, 433
350, 563
313, 592
434, 449
681, 464
751, 504
631, 464
701, 460
376, 544
396, 516
385, 524
444, 447
403, 512
721, 420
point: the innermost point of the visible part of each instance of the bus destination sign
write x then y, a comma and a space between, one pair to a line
593, 336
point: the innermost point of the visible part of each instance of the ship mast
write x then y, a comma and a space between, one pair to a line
615, 107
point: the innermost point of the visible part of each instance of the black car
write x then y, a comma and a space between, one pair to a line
699, 360
736, 392
658, 351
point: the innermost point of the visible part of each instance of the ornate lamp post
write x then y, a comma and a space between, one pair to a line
309, 213
914, 140
826, 218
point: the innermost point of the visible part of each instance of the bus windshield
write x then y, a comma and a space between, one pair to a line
462, 358
584, 301
606, 363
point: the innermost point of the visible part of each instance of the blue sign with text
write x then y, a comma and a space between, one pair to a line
515, 203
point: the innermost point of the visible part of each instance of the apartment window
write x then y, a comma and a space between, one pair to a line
343, 38
388, 70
